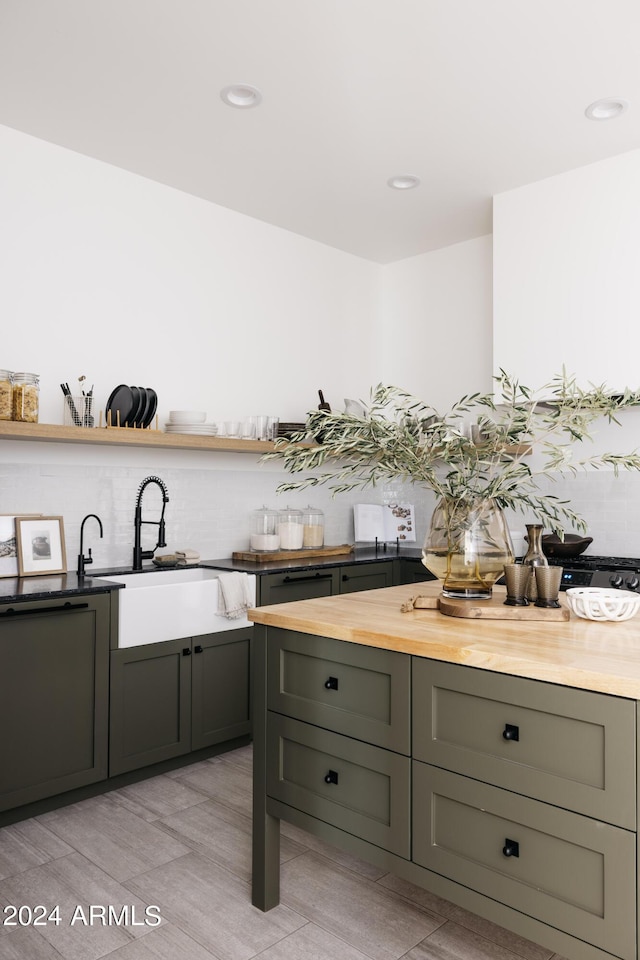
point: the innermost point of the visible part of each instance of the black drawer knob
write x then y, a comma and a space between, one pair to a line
331, 777
197, 648
331, 683
511, 732
511, 848
186, 652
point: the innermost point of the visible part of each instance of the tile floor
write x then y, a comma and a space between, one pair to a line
181, 842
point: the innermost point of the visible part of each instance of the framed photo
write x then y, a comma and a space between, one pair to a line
8, 548
40, 542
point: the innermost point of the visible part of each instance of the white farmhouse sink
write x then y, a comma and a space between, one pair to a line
170, 604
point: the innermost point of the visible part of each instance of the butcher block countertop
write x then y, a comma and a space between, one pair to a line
604, 657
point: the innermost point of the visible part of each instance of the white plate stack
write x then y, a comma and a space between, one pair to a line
190, 422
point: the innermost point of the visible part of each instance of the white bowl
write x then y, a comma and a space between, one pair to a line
595, 603
187, 416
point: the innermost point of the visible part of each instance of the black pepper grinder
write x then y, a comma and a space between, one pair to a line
534, 556
323, 405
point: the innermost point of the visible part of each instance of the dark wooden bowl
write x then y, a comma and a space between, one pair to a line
572, 546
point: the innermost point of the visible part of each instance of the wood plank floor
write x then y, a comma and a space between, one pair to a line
178, 847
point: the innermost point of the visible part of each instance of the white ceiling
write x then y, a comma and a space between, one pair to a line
473, 96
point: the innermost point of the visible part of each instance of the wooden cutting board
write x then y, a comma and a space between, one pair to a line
496, 609
493, 609
335, 551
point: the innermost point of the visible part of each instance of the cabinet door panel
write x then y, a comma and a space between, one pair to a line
366, 576
358, 788
566, 870
286, 587
359, 691
150, 704
53, 708
220, 687
564, 746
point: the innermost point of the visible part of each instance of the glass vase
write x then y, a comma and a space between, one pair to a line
467, 547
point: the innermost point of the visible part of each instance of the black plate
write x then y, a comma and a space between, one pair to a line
152, 404
120, 402
137, 415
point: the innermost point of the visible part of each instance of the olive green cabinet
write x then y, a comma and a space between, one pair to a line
54, 670
412, 570
366, 576
513, 798
168, 699
325, 582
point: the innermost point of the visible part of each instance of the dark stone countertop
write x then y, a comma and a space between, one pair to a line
358, 555
16, 589
59, 585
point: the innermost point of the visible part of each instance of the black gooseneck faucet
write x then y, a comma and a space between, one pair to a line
82, 560
138, 553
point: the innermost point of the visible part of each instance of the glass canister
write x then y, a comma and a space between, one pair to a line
290, 529
264, 530
534, 556
313, 528
6, 395
26, 397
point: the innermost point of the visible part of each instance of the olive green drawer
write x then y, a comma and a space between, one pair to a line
360, 691
566, 871
358, 788
557, 744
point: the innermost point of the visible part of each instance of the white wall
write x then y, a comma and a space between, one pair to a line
124, 280
434, 337
567, 276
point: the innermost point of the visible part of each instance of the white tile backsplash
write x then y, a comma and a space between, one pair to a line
209, 509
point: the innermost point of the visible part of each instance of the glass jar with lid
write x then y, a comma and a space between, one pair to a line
313, 528
26, 397
264, 530
6, 395
290, 529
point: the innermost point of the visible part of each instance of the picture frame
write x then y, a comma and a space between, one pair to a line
41, 548
8, 543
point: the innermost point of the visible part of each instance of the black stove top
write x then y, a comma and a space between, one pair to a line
621, 573
590, 562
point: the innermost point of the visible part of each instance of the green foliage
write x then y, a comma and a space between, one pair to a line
477, 451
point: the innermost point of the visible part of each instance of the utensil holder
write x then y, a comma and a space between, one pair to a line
78, 411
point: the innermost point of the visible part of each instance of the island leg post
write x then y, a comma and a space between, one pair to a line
265, 892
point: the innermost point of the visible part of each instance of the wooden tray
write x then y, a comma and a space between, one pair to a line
336, 551
496, 609
493, 609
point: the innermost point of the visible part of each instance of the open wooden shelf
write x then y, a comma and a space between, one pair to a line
54, 433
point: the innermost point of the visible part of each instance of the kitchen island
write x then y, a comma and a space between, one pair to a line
492, 762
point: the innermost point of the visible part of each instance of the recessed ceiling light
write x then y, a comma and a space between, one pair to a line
241, 95
607, 109
405, 181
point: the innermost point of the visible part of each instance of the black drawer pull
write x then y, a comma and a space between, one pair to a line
16, 612
197, 648
511, 848
345, 578
511, 732
186, 652
315, 576
331, 777
331, 683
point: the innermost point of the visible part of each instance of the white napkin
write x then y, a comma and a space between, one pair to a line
234, 595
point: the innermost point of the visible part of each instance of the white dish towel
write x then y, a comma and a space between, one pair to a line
187, 558
235, 595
